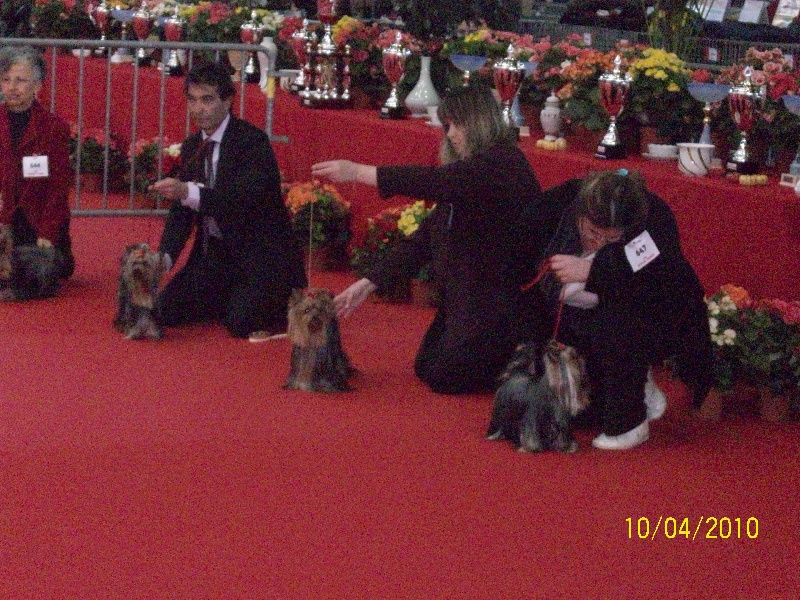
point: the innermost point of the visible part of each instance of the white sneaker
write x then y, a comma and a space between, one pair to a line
629, 439
654, 398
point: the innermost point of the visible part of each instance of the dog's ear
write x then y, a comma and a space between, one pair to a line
296, 297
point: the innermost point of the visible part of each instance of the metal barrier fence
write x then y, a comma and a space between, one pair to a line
108, 49
711, 53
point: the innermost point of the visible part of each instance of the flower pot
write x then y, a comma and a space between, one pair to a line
773, 408
400, 294
424, 293
326, 258
712, 406
92, 183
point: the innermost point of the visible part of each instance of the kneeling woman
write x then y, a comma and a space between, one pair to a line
472, 240
630, 298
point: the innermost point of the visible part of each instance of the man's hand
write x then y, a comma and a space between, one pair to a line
171, 189
570, 269
44, 243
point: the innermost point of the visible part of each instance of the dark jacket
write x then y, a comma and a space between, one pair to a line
659, 311
473, 240
246, 203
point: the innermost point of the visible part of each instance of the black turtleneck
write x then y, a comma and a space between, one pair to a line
18, 121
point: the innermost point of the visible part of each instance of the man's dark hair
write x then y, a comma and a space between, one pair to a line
213, 74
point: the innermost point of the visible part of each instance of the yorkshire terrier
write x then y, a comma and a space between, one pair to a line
318, 363
539, 393
139, 280
27, 272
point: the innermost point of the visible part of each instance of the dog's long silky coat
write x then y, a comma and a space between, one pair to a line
539, 394
141, 270
27, 272
318, 362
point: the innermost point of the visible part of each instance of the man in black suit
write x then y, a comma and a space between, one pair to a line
245, 261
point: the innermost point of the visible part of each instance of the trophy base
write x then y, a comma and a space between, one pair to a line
394, 112
610, 152
173, 71
748, 167
336, 103
252, 77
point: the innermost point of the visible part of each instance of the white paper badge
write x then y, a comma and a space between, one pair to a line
35, 166
641, 251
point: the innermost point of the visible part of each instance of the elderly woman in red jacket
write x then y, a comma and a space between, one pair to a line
35, 174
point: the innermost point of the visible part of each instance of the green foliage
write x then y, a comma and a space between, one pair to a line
57, 20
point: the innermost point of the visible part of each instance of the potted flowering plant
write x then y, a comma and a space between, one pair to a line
62, 19
320, 221
757, 343
382, 234
387, 228
153, 159
659, 96
423, 289
210, 22
92, 144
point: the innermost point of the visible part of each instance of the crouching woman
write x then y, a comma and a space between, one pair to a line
624, 295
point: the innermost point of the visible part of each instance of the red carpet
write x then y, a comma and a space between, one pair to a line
181, 469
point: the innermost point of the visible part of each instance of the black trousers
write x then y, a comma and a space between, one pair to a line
24, 234
620, 346
456, 367
212, 288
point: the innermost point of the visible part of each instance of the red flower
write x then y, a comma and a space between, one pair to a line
780, 84
701, 76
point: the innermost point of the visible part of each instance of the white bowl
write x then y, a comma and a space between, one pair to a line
695, 159
662, 150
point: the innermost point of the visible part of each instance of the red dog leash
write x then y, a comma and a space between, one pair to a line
545, 269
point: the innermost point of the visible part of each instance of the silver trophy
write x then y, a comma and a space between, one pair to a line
744, 100
251, 32
614, 88
102, 18
394, 65
142, 23
299, 42
508, 75
173, 32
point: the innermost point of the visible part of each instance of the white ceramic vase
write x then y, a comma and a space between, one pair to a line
694, 160
551, 117
423, 93
267, 59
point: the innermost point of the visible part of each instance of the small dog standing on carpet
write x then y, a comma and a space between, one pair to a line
318, 362
139, 280
27, 272
539, 394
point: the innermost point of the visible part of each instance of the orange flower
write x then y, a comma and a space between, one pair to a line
738, 295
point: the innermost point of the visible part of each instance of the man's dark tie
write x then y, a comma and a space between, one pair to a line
205, 173
206, 163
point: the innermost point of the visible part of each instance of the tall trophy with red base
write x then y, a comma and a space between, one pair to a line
142, 23
394, 65
173, 32
744, 99
508, 74
614, 88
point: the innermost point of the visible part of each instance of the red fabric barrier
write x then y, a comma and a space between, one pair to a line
731, 233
